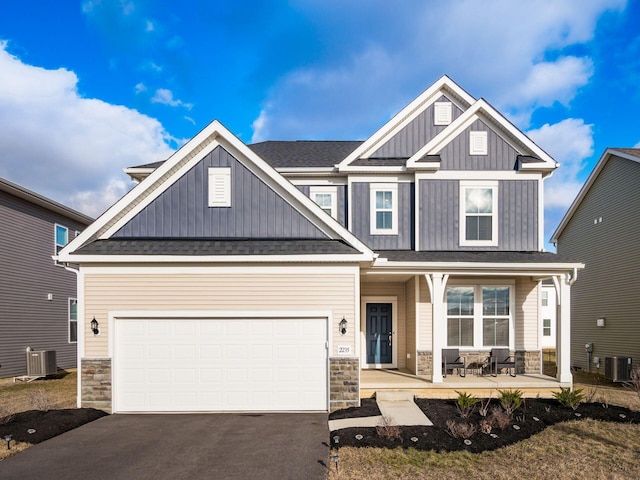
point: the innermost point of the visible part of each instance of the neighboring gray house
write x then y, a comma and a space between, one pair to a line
38, 303
601, 228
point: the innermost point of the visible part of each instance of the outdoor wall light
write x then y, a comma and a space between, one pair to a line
343, 326
94, 326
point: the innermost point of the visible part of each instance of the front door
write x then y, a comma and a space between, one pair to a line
379, 333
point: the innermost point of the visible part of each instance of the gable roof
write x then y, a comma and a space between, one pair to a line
44, 202
444, 85
181, 162
304, 153
632, 154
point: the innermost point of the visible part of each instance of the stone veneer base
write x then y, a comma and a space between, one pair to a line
344, 383
527, 361
96, 383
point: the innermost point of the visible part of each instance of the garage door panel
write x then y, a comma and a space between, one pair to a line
208, 365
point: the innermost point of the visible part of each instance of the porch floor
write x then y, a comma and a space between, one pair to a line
481, 386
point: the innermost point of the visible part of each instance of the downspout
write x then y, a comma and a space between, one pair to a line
79, 332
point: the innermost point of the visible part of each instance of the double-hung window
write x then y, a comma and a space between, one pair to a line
478, 213
326, 198
384, 209
546, 327
479, 316
73, 320
62, 237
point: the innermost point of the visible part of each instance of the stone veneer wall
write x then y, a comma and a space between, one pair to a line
96, 383
344, 383
424, 363
528, 361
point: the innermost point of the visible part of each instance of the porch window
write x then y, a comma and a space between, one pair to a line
384, 209
460, 316
479, 316
546, 327
478, 214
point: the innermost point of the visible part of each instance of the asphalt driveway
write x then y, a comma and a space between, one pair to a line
189, 446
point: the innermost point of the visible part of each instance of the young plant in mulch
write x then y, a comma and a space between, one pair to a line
462, 430
510, 400
499, 419
466, 404
483, 409
388, 430
569, 398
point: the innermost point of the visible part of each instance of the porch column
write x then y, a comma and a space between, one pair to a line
563, 329
437, 283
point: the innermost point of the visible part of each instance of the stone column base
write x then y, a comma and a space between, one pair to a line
96, 383
425, 364
528, 361
344, 383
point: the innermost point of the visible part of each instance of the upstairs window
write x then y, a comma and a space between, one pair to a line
62, 237
442, 113
326, 198
477, 143
384, 209
220, 187
478, 214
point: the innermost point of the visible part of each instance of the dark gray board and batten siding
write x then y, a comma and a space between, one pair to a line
608, 286
256, 211
29, 274
415, 135
440, 210
404, 240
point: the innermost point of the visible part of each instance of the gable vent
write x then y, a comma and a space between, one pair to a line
220, 187
477, 143
442, 113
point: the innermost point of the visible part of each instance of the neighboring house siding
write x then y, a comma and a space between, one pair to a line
415, 135
361, 218
608, 285
256, 211
341, 200
440, 211
29, 274
319, 289
500, 155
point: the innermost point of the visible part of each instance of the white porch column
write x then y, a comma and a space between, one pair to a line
563, 328
437, 283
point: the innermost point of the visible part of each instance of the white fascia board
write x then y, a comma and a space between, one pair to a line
472, 268
419, 166
320, 181
222, 269
483, 111
608, 153
483, 175
138, 174
306, 170
408, 114
400, 178
181, 259
373, 169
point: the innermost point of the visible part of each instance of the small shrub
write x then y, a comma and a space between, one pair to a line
510, 400
460, 429
590, 394
466, 404
635, 380
483, 410
5, 415
499, 419
486, 426
388, 431
568, 397
39, 399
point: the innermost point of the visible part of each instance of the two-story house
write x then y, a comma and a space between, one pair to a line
274, 276
38, 302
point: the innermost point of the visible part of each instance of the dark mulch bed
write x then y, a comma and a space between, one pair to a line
47, 424
534, 416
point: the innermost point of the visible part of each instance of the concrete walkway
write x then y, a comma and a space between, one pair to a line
396, 407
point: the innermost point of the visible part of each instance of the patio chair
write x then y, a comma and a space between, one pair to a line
451, 360
501, 358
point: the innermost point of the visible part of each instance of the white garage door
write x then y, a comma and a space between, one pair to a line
180, 365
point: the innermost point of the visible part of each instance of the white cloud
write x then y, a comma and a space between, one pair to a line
140, 88
67, 147
165, 97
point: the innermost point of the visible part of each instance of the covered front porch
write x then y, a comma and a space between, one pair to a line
482, 386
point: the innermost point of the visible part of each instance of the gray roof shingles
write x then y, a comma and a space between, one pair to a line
304, 153
201, 247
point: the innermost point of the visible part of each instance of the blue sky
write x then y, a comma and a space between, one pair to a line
90, 87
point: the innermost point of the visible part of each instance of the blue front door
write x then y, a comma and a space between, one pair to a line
379, 333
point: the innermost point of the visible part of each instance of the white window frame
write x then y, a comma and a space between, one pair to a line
442, 113
59, 246
70, 320
219, 186
545, 327
544, 299
478, 141
467, 185
373, 190
332, 192
478, 314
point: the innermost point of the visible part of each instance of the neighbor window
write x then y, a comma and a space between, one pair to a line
442, 113
478, 214
73, 320
62, 237
220, 187
479, 316
326, 198
384, 209
545, 298
546, 327
477, 143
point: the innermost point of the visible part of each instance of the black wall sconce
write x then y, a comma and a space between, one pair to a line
343, 326
94, 326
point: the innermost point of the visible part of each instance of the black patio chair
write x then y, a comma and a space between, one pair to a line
501, 358
451, 360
